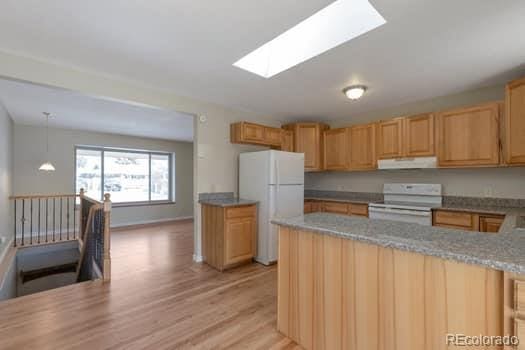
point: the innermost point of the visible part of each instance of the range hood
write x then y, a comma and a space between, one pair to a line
408, 163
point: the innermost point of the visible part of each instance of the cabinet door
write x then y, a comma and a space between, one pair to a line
287, 141
307, 207
307, 140
419, 136
469, 136
362, 154
515, 122
490, 223
239, 240
252, 132
335, 149
272, 136
390, 139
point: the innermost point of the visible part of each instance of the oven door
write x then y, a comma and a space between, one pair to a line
422, 217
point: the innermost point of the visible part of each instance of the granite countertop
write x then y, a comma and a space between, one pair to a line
227, 202
502, 251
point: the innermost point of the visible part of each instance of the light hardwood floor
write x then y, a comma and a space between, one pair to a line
157, 299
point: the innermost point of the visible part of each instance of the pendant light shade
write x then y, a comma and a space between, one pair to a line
47, 166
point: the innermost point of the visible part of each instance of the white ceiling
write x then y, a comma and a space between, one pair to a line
26, 102
427, 48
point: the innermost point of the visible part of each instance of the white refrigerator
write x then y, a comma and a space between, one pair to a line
276, 180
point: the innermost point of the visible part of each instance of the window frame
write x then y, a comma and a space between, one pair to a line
171, 176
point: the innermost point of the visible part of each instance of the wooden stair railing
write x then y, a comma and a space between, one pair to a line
49, 219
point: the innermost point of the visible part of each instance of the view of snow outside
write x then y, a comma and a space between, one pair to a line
126, 175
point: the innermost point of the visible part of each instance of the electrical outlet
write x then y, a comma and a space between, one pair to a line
488, 192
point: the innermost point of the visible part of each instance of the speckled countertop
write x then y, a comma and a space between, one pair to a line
503, 251
227, 202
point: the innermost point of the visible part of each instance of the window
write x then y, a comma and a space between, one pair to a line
129, 176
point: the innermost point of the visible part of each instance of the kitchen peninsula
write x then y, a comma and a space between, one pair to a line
353, 283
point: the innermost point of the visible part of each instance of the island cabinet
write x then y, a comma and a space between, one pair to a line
229, 235
335, 293
406, 137
469, 137
255, 134
515, 123
308, 139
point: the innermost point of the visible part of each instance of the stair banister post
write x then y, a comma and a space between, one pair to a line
107, 237
81, 219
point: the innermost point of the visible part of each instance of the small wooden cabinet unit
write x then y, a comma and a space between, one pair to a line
336, 149
515, 123
468, 221
255, 134
229, 235
308, 139
469, 137
362, 147
406, 137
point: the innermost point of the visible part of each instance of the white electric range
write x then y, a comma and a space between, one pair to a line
407, 203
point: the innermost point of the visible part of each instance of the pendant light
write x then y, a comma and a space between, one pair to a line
47, 166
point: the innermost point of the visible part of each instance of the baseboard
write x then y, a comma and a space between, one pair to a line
197, 258
150, 222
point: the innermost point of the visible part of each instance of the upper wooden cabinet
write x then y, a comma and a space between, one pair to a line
390, 139
515, 123
336, 149
406, 137
308, 139
418, 135
361, 147
469, 137
287, 141
255, 134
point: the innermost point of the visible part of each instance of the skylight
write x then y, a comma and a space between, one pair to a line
339, 22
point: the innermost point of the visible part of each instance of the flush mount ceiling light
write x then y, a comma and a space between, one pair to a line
47, 166
354, 92
339, 22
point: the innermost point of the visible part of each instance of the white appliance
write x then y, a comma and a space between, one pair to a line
407, 203
276, 180
408, 163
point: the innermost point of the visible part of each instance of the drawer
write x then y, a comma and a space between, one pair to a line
453, 219
358, 209
307, 207
519, 297
335, 207
241, 212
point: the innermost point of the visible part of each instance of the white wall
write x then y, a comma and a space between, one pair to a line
6, 157
29, 153
481, 182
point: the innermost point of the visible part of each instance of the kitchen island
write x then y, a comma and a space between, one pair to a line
354, 283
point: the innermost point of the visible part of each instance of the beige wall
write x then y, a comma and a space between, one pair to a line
215, 170
29, 153
6, 178
492, 182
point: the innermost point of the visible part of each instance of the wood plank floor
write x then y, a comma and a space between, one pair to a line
158, 299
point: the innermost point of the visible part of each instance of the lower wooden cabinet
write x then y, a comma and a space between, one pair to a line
229, 235
467, 221
355, 209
